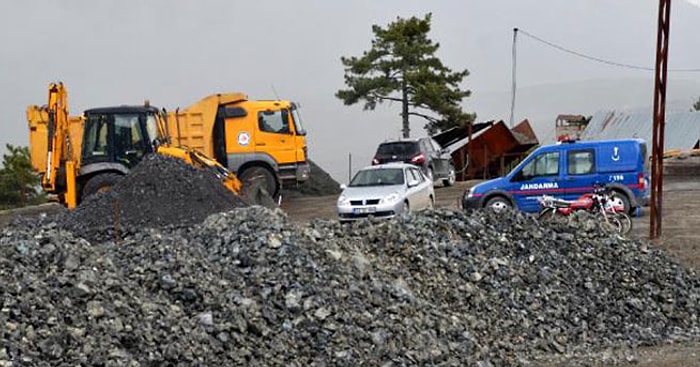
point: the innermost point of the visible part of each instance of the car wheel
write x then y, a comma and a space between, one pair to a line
619, 198
405, 209
498, 204
431, 203
451, 176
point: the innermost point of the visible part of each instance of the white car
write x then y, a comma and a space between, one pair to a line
384, 191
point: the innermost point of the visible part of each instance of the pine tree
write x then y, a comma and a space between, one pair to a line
401, 66
18, 180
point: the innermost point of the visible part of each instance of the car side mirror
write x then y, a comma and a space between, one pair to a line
413, 183
343, 186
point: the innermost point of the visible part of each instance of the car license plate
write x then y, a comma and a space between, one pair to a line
366, 210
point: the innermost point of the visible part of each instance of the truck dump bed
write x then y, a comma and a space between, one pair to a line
193, 126
38, 121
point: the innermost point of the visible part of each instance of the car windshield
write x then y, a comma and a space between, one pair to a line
404, 148
378, 177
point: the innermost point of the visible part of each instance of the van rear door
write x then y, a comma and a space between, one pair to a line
540, 175
618, 162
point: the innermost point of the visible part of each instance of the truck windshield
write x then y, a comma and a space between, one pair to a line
298, 126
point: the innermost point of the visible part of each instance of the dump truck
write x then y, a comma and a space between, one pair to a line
263, 140
78, 156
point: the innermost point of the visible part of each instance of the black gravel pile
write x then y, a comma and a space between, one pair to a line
248, 287
320, 183
160, 191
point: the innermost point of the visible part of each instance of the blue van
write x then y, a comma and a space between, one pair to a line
567, 170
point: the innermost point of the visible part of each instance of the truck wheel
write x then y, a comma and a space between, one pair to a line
259, 187
100, 183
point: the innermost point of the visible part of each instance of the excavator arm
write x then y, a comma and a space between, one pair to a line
57, 134
252, 194
197, 159
58, 148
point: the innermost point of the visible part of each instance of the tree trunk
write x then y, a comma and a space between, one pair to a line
404, 111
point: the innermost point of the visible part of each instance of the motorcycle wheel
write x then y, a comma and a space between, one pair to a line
625, 222
612, 219
550, 215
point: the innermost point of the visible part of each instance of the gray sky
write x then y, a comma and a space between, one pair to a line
175, 52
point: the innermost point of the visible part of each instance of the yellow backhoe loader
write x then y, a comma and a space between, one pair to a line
80, 156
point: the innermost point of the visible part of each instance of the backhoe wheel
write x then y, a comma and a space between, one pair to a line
101, 183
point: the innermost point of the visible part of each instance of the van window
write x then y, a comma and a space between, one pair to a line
580, 162
546, 164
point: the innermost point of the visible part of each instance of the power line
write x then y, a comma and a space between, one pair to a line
597, 59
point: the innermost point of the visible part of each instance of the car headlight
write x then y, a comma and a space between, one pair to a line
393, 197
343, 200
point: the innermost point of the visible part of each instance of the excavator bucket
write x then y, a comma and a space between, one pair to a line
252, 191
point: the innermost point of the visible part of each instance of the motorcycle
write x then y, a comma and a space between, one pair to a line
600, 203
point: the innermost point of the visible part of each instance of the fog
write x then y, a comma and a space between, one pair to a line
175, 52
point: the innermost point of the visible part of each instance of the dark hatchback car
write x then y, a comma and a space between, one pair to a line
422, 152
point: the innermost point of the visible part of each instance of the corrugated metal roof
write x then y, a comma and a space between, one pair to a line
455, 134
682, 130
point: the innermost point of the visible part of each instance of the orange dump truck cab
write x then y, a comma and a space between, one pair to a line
257, 140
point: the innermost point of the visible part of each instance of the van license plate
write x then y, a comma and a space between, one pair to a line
370, 209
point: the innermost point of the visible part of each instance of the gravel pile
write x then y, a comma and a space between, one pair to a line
160, 191
249, 287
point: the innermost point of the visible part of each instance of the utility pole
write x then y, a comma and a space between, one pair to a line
657, 148
513, 86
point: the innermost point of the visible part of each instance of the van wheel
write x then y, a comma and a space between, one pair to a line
498, 204
619, 198
100, 183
